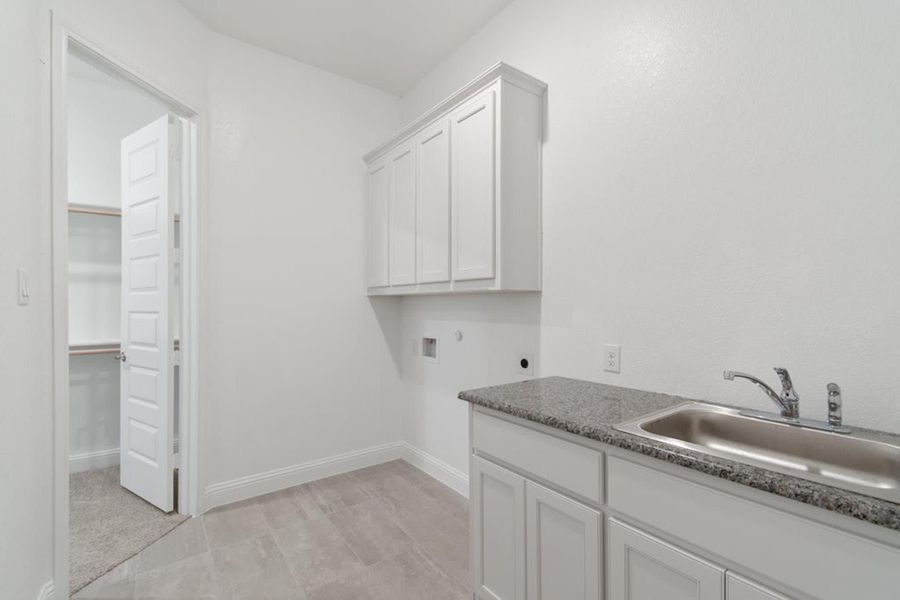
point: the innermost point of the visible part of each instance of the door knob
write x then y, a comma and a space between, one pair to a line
120, 356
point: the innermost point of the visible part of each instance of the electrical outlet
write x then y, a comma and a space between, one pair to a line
612, 356
525, 363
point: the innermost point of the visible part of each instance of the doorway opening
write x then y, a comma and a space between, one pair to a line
124, 234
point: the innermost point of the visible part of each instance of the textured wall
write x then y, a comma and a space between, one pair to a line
720, 191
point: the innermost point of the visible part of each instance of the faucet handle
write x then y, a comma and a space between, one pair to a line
787, 386
835, 418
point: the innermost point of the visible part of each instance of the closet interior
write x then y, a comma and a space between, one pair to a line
104, 112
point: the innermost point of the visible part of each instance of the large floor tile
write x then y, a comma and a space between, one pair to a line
370, 531
234, 523
412, 576
289, 506
185, 541
189, 579
442, 534
336, 492
317, 553
254, 570
117, 584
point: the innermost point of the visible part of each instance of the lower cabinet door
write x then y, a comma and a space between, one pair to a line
498, 532
738, 588
642, 567
564, 540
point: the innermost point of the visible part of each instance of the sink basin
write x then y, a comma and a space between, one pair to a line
859, 462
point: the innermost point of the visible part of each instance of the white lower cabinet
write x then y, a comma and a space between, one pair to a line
642, 567
498, 531
564, 541
558, 522
738, 588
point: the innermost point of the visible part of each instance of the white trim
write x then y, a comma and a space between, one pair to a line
449, 475
47, 591
98, 459
500, 70
251, 486
62, 41
243, 488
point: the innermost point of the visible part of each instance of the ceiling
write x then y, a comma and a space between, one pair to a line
388, 44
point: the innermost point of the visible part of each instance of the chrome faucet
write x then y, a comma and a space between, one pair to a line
835, 418
788, 400
789, 403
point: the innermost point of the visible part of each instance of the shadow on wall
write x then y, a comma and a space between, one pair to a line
387, 313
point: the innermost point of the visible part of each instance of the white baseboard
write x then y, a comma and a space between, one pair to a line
47, 592
235, 490
450, 476
93, 460
279, 479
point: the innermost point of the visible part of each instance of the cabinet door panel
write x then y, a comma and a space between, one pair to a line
403, 217
563, 547
473, 188
738, 588
433, 205
642, 567
379, 189
498, 532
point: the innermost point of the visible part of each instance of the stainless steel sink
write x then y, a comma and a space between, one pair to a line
860, 462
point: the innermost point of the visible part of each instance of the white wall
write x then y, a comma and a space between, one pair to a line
296, 363
720, 191
300, 364
26, 443
101, 111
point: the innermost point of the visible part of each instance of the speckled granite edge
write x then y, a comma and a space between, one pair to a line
610, 406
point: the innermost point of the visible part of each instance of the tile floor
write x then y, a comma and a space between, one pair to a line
385, 532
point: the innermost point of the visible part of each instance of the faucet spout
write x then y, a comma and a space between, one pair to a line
788, 401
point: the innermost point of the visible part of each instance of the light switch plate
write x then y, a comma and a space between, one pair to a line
24, 292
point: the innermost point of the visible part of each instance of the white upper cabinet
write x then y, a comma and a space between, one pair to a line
402, 230
433, 204
464, 189
472, 188
379, 202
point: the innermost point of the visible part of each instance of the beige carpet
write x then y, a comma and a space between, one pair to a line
108, 525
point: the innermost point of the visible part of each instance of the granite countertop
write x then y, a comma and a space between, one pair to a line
593, 410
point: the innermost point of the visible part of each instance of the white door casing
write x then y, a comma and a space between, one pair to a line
147, 398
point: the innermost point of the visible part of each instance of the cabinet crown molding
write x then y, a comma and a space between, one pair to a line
500, 70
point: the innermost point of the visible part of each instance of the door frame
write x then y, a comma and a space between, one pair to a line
63, 42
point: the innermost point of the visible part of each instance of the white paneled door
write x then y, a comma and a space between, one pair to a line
473, 180
563, 547
379, 220
498, 510
403, 217
642, 567
433, 204
147, 401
